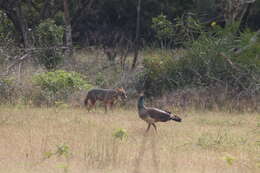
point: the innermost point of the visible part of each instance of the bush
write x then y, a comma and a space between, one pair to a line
154, 79
163, 29
176, 33
187, 27
6, 90
58, 85
211, 60
120, 134
7, 29
48, 37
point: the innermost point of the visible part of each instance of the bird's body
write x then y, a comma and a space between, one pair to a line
153, 115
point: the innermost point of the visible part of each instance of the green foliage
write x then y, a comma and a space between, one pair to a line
154, 78
106, 17
48, 154
57, 85
120, 16
50, 58
209, 61
6, 89
184, 28
217, 141
8, 38
163, 28
100, 79
49, 34
7, 29
48, 37
120, 134
62, 150
61, 105
187, 28
229, 159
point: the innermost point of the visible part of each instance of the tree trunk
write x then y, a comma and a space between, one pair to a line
137, 37
15, 13
234, 10
44, 10
68, 37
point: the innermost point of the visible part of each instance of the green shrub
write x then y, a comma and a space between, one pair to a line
59, 84
6, 90
229, 159
177, 32
187, 27
219, 140
154, 77
7, 29
163, 29
209, 61
48, 37
120, 134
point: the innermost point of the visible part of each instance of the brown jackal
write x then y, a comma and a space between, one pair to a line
107, 96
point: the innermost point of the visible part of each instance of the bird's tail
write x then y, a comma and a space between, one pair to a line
176, 118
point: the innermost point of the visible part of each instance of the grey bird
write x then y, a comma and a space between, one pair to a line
153, 115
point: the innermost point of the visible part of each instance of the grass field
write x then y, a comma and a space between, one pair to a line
53, 140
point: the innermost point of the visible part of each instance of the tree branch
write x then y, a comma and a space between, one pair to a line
22, 58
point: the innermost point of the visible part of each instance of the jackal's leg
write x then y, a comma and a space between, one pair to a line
86, 102
106, 106
92, 103
111, 106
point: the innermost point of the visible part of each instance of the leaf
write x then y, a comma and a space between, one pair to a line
48, 154
120, 134
229, 159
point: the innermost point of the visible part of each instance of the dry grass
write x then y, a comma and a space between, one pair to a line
72, 140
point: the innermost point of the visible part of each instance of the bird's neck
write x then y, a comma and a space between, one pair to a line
140, 103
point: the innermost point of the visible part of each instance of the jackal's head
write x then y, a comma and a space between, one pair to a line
121, 92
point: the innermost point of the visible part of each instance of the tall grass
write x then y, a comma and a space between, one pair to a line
73, 140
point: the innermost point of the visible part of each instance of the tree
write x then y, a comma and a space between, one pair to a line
234, 10
68, 37
15, 13
137, 35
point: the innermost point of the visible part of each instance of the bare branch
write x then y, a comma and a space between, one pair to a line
19, 60
229, 61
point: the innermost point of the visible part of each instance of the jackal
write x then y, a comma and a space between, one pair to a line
107, 96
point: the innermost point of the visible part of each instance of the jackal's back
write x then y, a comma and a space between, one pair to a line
107, 96
102, 94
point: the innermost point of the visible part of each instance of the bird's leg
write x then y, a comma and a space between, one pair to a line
149, 125
154, 127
